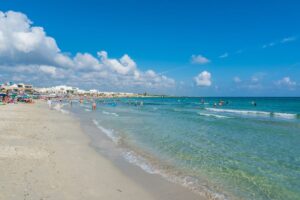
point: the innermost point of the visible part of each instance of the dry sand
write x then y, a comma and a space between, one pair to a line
45, 155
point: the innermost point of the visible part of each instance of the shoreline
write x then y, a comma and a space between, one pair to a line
46, 155
160, 187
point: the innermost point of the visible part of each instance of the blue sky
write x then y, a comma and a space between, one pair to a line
214, 48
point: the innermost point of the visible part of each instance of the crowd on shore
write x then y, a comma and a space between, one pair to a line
11, 92
14, 93
12, 98
7, 99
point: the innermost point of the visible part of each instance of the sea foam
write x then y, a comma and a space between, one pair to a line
255, 112
59, 107
108, 132
110, 113
138, 160
213, 115
189, 182
285, 115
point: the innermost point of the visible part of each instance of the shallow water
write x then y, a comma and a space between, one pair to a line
234, 151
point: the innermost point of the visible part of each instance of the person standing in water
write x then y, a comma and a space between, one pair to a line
94, 106
202, 101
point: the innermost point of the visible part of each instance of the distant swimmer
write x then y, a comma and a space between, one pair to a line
94, 105
221, 103
253, 103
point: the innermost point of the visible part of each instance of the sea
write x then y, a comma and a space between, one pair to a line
241, 148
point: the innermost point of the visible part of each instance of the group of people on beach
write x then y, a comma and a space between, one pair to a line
10, 99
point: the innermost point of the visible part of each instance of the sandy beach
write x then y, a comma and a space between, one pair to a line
45, 155
140, 100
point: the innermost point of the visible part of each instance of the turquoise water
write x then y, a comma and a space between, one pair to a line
234, 151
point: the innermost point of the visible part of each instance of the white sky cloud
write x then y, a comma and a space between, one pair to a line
203, 79
199, 59
254, 79
237, 79
27, 49
257, 77
225, 55
48, 70
282, 41
288, 39
286, 81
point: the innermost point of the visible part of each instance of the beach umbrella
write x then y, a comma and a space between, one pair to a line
13, 95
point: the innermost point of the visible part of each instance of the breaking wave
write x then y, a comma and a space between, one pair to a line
213, 115
255, 112
110, 113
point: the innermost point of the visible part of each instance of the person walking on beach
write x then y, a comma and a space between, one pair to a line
49, 102
94, 105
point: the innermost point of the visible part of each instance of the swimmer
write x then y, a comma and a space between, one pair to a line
202, 101
253, 103
94, 106
221, 103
